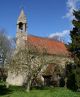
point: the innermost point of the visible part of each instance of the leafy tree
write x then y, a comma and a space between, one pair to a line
75, 45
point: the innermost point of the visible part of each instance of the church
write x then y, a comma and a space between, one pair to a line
56, 50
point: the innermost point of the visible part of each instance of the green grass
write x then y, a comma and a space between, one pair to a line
46, 92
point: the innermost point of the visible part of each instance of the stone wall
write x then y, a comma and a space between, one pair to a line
19, 79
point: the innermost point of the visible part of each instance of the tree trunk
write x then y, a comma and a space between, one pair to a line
65, 83
28, 85
7, 85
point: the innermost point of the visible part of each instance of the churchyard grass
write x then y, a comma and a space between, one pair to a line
44, 92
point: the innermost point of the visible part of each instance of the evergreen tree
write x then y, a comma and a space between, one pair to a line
70, 74
75, 45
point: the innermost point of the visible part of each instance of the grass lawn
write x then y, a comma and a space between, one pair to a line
46, 92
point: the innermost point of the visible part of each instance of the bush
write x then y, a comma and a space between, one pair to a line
70, 74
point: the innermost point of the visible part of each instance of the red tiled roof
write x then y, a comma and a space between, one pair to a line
51, 46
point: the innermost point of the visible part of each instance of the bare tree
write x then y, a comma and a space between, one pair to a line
5, 52
29, 60
5, 47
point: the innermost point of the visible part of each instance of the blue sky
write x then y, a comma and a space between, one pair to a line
45, 18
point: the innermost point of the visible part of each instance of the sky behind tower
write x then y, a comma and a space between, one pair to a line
45, 18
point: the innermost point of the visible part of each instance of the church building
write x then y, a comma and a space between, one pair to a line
56, 50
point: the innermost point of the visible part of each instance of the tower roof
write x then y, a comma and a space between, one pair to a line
22, 17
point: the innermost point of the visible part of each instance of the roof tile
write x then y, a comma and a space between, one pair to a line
51, 46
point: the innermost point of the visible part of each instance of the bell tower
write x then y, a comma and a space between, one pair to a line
21, 30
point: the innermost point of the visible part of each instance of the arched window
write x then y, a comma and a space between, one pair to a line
21, 26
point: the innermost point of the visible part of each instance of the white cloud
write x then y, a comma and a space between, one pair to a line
71, 5
61, 36
65, 35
